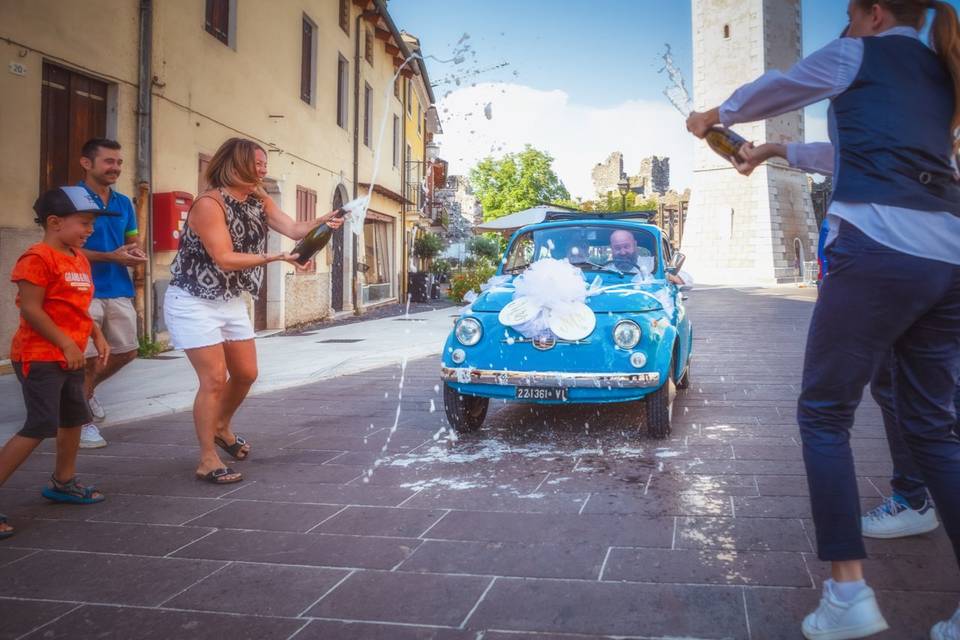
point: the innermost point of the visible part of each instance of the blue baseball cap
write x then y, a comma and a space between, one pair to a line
64, 201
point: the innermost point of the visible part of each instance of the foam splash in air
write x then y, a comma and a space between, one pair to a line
677, 92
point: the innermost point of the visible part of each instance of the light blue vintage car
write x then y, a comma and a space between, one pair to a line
639, 347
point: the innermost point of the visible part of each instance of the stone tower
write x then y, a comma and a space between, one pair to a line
753, 229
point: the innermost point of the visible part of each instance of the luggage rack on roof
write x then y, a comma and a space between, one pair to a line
553, 216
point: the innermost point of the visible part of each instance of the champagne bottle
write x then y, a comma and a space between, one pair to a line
316, 239
724, 142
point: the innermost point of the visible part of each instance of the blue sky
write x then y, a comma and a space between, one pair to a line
602, 56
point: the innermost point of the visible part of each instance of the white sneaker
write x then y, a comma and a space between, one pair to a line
838, 620
90, 437
893, 519
96, 408
948, 629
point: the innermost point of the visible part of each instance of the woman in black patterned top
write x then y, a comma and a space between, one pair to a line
222, 254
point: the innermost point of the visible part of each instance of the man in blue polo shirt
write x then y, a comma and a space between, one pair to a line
111, 249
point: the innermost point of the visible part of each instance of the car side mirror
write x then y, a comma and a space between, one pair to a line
676, 262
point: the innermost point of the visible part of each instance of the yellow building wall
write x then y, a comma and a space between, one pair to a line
203, 93
28, 38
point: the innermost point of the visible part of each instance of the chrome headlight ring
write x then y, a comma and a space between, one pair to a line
626, 334
468, 331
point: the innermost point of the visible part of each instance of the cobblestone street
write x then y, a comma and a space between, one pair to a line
545, 523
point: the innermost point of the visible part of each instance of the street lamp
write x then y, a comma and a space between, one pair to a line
624, 187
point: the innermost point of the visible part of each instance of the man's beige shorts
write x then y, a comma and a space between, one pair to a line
117, 318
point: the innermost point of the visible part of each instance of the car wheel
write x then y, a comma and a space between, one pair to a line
684, 382
464, 413
659, 405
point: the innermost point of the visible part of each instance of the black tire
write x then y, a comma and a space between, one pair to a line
464, 413
684, 382
659, 408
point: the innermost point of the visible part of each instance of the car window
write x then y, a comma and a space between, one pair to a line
521, 253
624, 249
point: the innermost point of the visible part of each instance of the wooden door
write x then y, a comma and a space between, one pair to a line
73, 110
260, 305
336, 270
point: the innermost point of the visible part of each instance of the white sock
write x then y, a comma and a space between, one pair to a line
846, 591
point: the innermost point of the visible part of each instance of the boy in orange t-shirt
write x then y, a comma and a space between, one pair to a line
55, 289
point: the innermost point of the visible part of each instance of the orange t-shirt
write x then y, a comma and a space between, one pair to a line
69, 290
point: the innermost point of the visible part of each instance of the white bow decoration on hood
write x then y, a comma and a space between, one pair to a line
549, 300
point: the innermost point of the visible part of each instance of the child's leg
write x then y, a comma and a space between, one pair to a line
12, 455
68, 443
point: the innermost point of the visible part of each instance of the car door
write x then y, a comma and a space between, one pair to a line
680, 318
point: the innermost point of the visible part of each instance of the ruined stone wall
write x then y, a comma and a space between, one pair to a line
607, 174
462, 206
654, 175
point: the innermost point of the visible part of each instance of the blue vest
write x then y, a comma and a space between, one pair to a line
893, 127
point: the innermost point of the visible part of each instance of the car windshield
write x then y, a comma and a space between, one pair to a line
618, 250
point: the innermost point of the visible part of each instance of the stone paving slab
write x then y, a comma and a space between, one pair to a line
550, 523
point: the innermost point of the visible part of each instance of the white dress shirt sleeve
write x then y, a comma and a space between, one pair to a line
823, 74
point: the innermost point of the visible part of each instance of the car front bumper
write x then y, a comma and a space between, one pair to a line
565, 379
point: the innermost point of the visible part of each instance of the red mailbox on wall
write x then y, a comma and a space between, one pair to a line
169, 217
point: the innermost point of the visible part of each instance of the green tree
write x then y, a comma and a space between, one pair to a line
516, 182
485, 246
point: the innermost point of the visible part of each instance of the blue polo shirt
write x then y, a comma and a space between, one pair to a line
111, 280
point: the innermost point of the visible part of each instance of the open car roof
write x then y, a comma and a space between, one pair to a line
557, 216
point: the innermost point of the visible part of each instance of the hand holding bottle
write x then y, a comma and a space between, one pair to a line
749, 157
332, 219
700, 123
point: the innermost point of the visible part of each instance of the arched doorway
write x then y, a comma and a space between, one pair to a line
336, 269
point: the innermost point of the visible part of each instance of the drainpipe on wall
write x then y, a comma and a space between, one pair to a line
403, 185
144, 155
355, 276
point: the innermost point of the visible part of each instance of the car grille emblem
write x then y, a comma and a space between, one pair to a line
544, 343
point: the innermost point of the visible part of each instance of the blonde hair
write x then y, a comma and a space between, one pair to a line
234, 164
944, 39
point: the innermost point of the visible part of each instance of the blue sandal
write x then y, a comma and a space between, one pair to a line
9, 532
71, 492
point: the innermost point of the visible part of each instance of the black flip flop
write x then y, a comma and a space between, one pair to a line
217, 476
232, 449
5, 534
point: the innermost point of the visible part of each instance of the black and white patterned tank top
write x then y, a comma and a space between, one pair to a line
195, 272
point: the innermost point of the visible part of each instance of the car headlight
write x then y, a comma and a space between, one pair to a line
626, 334
468, 332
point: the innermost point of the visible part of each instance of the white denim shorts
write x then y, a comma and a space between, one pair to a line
194, 322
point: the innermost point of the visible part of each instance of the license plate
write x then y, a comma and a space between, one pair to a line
541, 393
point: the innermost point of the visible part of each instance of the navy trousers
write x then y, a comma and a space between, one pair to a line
875, 299
907, 481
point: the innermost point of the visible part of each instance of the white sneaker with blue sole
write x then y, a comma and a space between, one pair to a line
836, 619
897, 519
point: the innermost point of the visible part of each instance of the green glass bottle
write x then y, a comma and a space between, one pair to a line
316, 240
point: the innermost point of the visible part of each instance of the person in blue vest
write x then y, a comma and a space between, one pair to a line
893, 248
908, 510
111, 249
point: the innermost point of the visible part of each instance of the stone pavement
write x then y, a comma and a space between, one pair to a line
547, 524
167, 384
